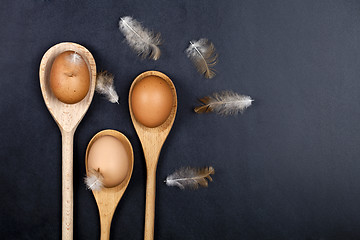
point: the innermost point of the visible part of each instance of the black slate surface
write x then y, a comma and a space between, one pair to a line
288, 168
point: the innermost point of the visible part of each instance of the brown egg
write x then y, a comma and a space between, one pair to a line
69, 77
151, 101
108, 156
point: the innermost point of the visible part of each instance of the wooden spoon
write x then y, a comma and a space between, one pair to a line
67, 117
107, 198
152, 140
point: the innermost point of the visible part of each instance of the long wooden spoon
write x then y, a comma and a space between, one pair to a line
152, 140
67, 117
108, 198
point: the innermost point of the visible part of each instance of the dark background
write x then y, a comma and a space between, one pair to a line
288, 168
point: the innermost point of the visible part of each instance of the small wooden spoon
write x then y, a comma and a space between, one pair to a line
67, 117
152, 140
108, 198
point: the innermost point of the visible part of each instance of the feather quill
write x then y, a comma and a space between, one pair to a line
190, 178
140, 39
224, 103
202, 53
94, 180
105, 86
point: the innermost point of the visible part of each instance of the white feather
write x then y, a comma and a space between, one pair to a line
140, 39
105, 86
190, 177
75, 58
202, 53
225, 103
94, 181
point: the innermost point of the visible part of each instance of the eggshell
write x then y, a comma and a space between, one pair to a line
108, 156
151, 101
69, 77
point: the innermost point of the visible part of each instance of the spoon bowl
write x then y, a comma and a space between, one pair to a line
152, 140
107, 199
67, 117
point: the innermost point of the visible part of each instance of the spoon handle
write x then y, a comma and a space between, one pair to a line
150, 204
105, 222
67, 185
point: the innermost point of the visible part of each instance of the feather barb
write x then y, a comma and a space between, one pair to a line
105, 86
190, 178
203, 54
141, 40
94, 180
224, 103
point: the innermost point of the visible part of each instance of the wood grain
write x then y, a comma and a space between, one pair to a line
67, 117
107, 198
152, 140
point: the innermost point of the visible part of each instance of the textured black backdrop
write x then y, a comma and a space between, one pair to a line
288, 168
